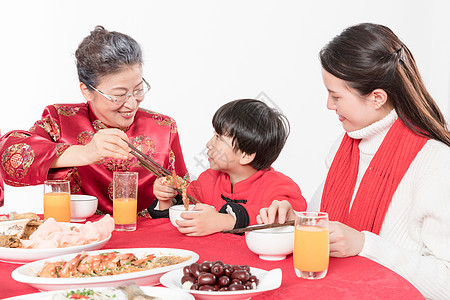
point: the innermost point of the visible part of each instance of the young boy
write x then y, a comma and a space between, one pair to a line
248, 138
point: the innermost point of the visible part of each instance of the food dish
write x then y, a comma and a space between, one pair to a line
24, 255
271, 243
11, 227
27, 273
159, 292
268, 280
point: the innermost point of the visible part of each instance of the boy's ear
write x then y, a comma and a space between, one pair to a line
246, 158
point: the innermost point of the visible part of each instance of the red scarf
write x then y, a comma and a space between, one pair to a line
386, 170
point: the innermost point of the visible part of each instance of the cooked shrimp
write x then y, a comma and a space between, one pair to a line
126, 258
50, 269
104, 264
88, 264
70, 268
144, 260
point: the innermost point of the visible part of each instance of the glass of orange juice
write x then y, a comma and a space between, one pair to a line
311, 245
125, 188
57, 200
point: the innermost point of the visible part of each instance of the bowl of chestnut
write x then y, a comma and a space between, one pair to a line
217, 276
210, 280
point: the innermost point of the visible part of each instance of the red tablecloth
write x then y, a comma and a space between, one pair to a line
347, 278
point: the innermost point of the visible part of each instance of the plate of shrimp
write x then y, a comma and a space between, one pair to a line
103, 268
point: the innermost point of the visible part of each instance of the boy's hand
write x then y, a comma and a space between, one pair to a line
207, 221
278, 211
163, 192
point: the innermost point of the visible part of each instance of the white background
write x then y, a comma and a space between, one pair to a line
201, 54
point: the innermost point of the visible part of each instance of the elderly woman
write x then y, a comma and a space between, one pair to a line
70, 142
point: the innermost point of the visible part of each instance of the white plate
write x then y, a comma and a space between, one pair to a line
25, 255
159, 292
27, 273
268, 280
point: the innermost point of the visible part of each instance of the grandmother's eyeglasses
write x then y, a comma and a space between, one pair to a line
138, 94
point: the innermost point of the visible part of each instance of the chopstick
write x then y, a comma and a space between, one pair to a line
258, 227
151, 165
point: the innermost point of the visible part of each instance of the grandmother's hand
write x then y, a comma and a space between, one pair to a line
278, 211
107, 143
344, 240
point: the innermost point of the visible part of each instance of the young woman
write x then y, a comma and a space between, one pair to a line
69, 142
387, 188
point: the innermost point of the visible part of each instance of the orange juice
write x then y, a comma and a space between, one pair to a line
125, 210
311, 248
57, 205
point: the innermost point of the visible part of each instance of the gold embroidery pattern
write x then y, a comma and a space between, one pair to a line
19, 135
84, 137
66, 110
50, 126
159, 119
97, 124
143, 143
173, 126
165, 121
17, 159
75, 180
144, 213
60, 148
110, 191
147, 111
117, 164
15, 183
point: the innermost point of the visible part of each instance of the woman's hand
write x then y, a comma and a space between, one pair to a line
164, 193
207, 221
344, 240
105, 143
278, 211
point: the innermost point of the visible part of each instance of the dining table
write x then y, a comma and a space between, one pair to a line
347, 278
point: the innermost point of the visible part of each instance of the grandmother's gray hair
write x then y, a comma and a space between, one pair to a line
105, 52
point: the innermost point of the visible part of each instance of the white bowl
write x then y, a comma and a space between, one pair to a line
176, 210
272, 243
12, 227
82, 207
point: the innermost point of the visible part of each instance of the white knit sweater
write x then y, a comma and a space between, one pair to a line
414, 240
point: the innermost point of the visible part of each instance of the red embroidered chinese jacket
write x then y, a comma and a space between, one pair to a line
26, 156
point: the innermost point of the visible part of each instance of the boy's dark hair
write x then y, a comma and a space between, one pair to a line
254, 128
